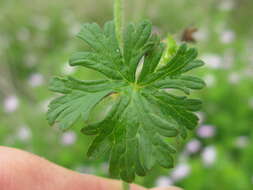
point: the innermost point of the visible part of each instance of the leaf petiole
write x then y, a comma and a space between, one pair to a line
126, 186
118, 19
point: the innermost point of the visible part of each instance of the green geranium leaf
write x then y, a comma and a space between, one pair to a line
138, 130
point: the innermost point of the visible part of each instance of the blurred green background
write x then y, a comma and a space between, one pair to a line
37, 37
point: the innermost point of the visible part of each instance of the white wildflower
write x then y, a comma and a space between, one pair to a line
164, 181
227, 5
201, 35
11, 103
68, 138
234, 78
206, 131
212, 61
36, 79
193, 146
241, 141
180, 171
227, 36
209, 156
24, 133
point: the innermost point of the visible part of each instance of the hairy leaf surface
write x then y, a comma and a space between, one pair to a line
145, 116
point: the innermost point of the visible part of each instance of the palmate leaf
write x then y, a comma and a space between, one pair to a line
144, 117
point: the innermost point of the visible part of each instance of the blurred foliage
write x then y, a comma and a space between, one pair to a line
37, 37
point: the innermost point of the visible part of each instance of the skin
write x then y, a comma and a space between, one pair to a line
20, 170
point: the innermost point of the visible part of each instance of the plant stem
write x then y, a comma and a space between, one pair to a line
126, 186
118, 20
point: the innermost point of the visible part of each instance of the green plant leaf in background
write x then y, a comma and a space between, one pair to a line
144, 113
